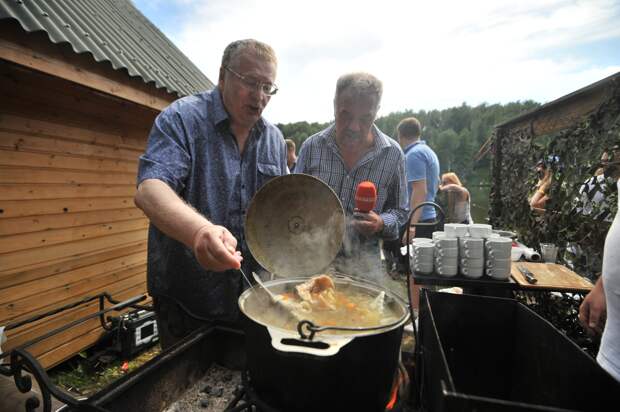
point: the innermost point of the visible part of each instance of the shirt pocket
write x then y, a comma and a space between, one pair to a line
266, 172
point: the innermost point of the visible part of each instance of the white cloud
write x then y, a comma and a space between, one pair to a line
428, 54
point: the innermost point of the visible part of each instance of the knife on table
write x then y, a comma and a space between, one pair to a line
529, 276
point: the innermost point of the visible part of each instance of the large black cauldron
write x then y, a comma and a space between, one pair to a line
352, 370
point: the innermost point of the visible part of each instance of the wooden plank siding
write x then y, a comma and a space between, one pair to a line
68, 225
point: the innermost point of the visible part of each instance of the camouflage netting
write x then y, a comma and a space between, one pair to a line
575, 153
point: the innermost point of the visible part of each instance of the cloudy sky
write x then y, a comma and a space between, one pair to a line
431, 54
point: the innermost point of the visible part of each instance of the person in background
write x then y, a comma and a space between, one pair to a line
459, 200
422, 166
540, 196
291, 157
593, 194
592, 202
600, 310
206, 156
422, 176
353, 150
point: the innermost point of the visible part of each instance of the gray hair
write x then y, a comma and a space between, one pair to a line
260, 49
360, 83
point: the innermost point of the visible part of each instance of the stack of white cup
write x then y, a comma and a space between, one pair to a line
414, 241
497, 251
446, 254
423, 256
471, 252
479, 230
455, 230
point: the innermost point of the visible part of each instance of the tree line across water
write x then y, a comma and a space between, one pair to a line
455, 134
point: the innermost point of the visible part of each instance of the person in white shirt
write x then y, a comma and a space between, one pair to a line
600, 310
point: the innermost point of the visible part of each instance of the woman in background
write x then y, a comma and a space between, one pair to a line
541, 195
459, 201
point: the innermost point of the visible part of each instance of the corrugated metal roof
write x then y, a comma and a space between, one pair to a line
114, 31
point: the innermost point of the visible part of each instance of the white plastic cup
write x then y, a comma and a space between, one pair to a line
472, 254
472, 273
447, 252
498, 263
447, 271
499, 273
472, 263
479, 230
424, 268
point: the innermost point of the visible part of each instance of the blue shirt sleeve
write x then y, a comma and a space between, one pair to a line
167, 156
416, 167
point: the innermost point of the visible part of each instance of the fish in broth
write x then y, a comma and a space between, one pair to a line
321, 302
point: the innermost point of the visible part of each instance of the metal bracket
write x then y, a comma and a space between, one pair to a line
21, 359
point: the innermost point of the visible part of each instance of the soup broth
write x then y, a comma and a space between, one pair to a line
340, 304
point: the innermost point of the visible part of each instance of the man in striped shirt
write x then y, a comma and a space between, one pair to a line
353, 150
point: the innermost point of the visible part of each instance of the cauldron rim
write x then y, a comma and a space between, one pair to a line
363, 283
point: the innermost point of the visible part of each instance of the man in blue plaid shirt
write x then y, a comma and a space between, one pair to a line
351, 151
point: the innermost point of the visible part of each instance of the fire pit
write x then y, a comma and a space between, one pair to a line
224, 390
185, 377
214, 392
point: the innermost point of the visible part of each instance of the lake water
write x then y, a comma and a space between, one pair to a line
479, 203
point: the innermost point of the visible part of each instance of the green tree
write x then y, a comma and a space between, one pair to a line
445, 146
457, 133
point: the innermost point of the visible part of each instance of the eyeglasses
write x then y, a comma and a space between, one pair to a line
268, 88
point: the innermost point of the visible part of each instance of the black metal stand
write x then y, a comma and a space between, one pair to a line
246, 399
22, 360
417, 353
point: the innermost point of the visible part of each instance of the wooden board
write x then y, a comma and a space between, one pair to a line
69, 278
28, 125
13, 140
551, 276
28, 224
34, 191
73, 262
22, 258
23, 208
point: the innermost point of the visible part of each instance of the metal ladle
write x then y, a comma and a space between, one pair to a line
246, 278
260, 283
274, 299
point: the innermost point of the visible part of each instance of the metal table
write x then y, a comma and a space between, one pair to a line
481, 286
551, 278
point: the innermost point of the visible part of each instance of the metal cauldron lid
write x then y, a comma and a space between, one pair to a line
295, 225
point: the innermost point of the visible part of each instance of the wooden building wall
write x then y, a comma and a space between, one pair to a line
68, 224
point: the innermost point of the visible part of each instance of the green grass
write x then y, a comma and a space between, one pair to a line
78, 377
